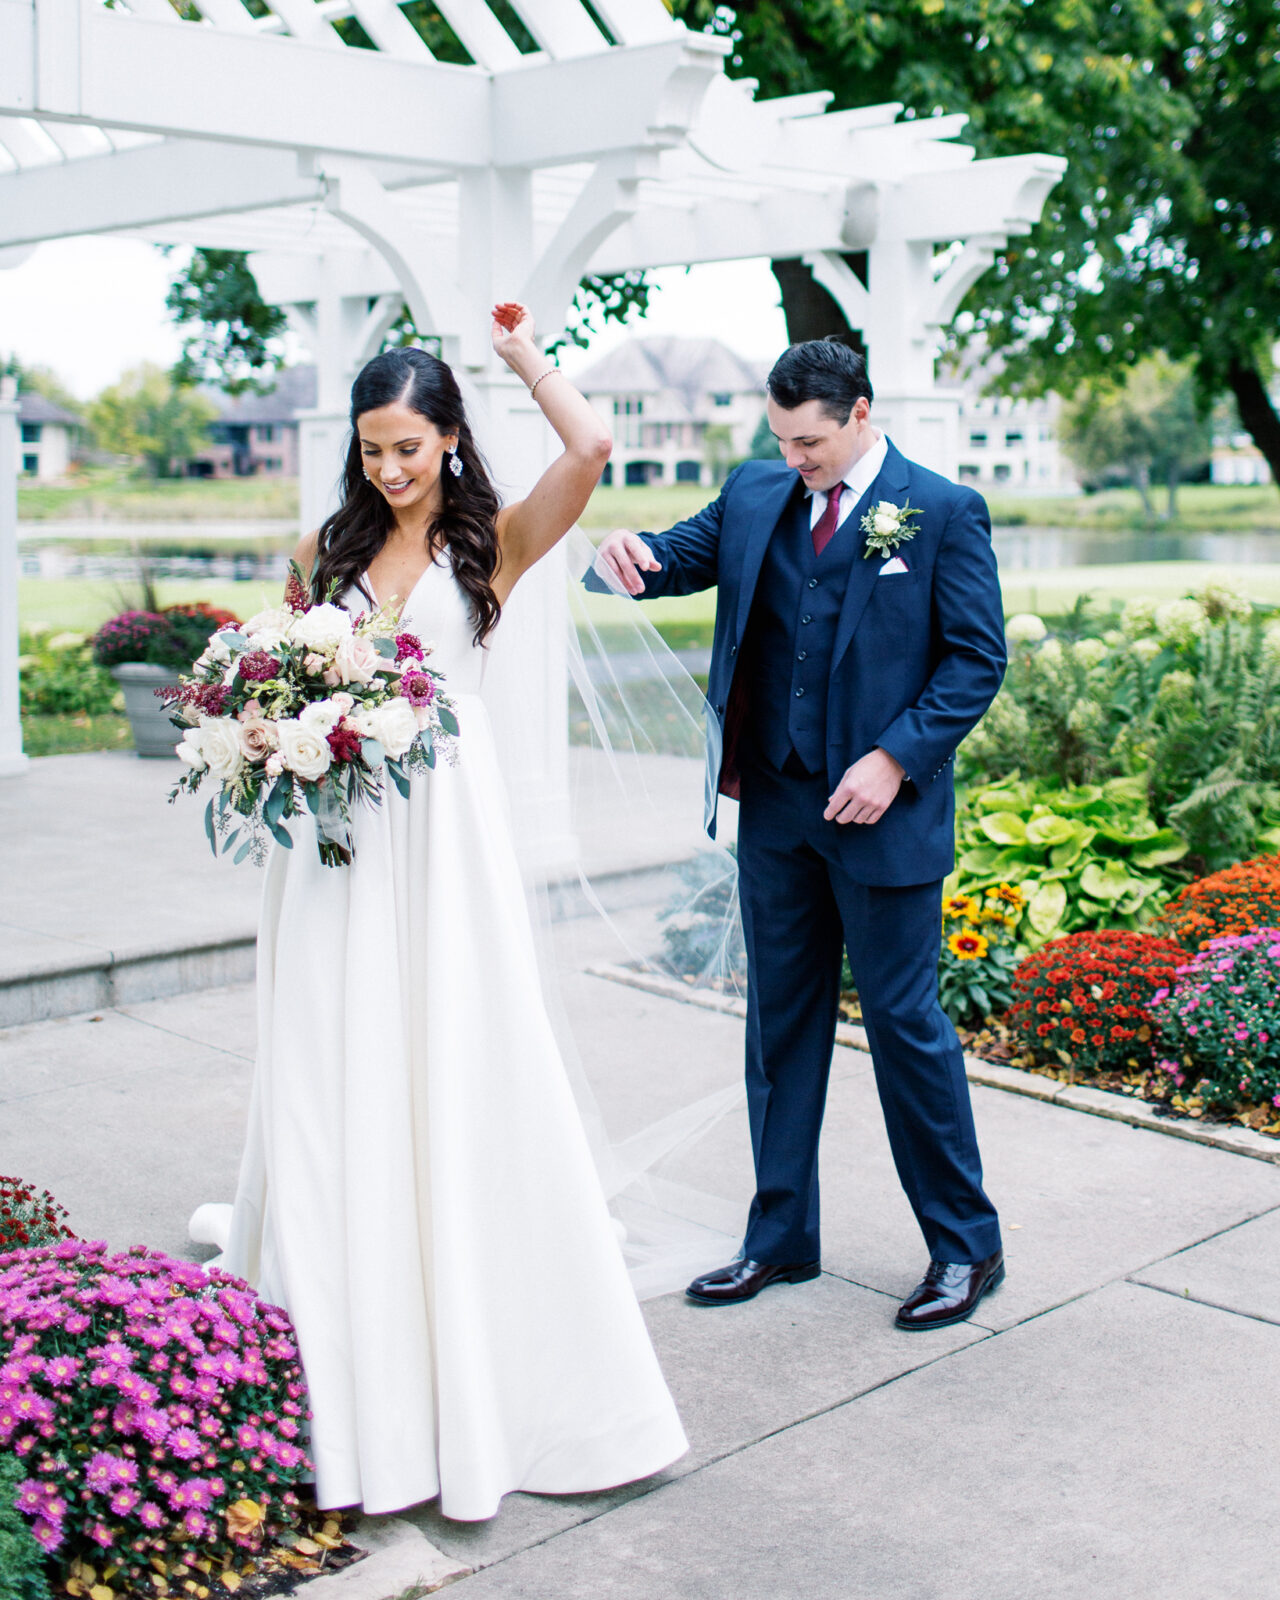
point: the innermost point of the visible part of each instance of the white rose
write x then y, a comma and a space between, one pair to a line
305, 750
189, 751
393, 725
322, 628
883, 522
219, 743
269, 628
321, 716
356, 661
257, 738
1025, 628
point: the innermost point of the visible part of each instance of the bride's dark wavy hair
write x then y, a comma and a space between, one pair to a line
467, 524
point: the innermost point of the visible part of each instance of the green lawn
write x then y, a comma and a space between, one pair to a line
110, 494
82, 603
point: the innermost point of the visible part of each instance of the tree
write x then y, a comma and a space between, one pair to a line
41, 380
1161, 235
235, 336
764, 444
149, 417
1144, 420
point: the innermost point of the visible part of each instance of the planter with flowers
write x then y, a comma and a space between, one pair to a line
145, 652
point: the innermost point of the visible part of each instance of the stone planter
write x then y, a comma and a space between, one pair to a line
153, 733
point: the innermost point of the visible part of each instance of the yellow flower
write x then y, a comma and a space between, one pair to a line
1010, 894
960, 905
968, 944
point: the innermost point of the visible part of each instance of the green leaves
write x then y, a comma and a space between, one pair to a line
1087, 857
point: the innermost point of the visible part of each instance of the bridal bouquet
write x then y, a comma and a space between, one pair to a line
306, 706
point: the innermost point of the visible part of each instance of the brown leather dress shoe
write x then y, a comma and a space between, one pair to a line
743, 1280
949, 1292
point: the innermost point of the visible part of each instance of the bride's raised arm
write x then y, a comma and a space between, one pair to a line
528, 528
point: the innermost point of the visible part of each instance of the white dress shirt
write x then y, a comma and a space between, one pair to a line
859, 478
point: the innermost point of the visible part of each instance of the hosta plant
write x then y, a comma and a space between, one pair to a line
157, 1412
1085, 1001
1085, 857
1219, 1021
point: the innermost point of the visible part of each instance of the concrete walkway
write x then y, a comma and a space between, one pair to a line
1105, 1428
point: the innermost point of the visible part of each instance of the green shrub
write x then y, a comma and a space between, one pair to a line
58, 677
22, 1564
1185, 694
1088, 856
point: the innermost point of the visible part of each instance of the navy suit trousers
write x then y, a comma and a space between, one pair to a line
800, 908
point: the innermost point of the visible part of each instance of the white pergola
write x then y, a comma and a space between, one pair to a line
361, 178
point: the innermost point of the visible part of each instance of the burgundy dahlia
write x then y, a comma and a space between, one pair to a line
408, 644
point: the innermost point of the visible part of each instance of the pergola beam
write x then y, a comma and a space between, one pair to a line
75, 61
172, 180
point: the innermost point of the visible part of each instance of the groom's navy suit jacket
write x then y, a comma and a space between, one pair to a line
917, 656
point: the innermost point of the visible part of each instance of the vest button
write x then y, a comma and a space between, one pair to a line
733, 649
799, 694
802, 655
806, 619
813, 583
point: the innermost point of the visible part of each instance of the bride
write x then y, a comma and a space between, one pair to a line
417, 1188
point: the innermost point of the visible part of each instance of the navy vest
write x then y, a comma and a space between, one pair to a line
791, 637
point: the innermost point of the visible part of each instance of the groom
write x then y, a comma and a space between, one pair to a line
859, 637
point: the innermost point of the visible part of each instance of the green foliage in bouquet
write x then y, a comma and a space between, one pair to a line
22, 1564
58, 676
1088, 856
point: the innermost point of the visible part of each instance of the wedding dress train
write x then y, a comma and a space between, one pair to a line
417, 1189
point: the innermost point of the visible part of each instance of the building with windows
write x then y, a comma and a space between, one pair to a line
681, 410
257, 434
47, 437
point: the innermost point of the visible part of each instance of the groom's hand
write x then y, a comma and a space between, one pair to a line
625, 556
867, 790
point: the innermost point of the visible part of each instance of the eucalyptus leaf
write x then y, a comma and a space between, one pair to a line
448, 721
242, 852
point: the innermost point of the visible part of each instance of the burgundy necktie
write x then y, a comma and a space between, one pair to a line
825, 526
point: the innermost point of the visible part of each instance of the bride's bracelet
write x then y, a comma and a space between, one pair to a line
533, 387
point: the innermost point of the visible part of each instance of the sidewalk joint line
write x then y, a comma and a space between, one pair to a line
1188, 1298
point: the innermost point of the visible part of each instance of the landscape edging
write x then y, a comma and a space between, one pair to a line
990, 1074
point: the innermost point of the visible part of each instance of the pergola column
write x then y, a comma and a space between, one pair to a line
12, 759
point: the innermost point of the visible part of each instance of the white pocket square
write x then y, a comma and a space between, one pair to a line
894, 564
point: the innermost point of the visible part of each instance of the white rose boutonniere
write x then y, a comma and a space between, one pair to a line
887, 526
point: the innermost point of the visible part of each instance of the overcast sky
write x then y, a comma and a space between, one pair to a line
91, 307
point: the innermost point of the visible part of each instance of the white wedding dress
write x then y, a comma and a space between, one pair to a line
417, 1189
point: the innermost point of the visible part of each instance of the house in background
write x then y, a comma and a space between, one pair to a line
1007, 442
681, 410
257, 434
48, 436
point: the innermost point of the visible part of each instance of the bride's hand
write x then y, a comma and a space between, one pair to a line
512, 332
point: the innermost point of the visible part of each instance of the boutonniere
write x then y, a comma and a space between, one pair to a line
887, 526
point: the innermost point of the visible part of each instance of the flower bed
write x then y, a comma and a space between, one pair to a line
1235, 900
29, 1216
1219, 1021
1086, 999
157, 1411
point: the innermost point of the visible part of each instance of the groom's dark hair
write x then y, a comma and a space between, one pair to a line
820, 369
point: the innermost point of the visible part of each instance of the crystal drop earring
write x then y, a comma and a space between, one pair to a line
455, 462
